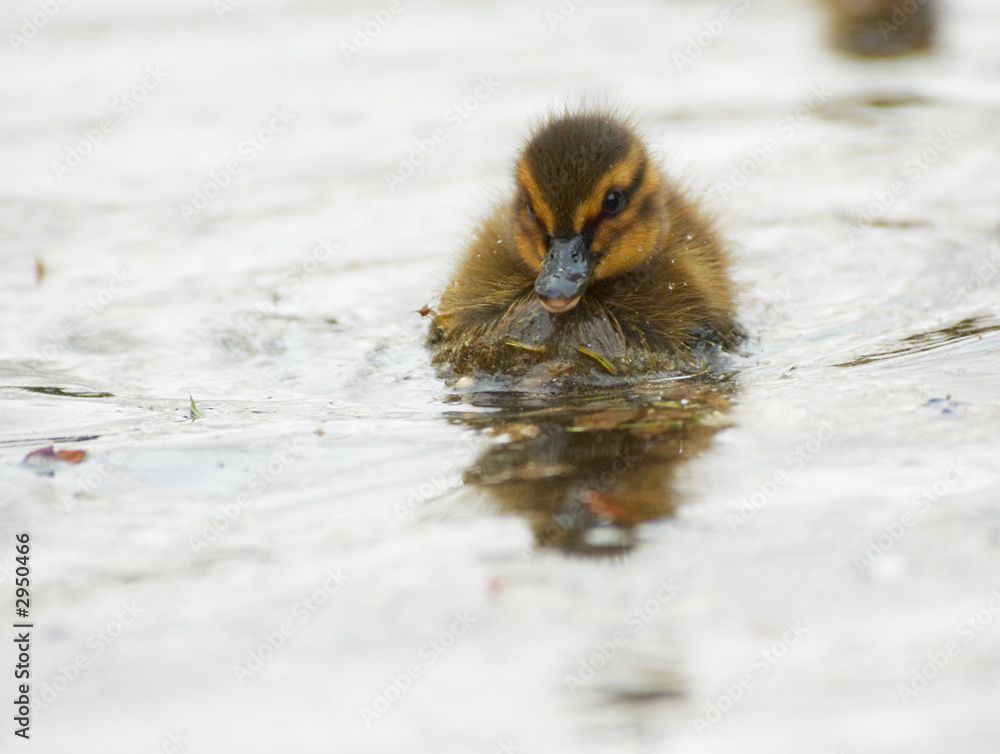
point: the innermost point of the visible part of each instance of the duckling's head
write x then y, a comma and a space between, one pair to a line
589, 205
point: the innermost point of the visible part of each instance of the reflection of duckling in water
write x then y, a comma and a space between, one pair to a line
585, 473
882, 28
599, 264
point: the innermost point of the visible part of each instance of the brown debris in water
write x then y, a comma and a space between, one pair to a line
45, 460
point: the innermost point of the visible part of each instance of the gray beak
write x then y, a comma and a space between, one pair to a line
565, 271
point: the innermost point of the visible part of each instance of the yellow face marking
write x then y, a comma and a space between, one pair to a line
544, 212
528, 238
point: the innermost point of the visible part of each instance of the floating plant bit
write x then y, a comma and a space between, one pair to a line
195, 413
598, 358
524, 346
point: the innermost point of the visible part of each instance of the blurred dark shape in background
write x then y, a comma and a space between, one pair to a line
586, 471
882, 28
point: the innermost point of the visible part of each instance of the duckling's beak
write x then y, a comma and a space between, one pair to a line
565, 270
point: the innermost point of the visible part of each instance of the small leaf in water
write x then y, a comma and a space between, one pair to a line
525, 346
39, 457
45, 460
195, 413
598, 358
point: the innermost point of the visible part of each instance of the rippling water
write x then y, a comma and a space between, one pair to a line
223, 203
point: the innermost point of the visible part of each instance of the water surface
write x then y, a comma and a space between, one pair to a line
340, 554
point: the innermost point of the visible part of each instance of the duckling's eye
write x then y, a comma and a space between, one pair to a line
614, 203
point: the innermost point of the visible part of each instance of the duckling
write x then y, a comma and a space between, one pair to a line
598, 264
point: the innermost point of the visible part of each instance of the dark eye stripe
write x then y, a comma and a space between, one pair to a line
647, 208
533, 216
533, 225
640, 174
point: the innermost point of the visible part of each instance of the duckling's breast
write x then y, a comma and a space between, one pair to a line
589, 340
